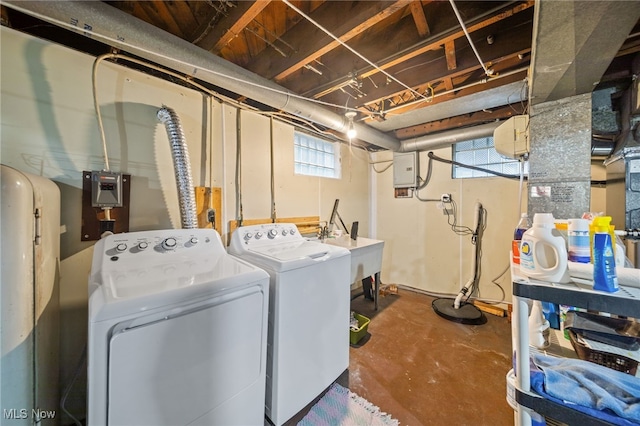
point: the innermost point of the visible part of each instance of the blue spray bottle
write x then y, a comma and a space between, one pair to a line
604, 265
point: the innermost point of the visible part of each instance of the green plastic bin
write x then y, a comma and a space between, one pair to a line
356, 335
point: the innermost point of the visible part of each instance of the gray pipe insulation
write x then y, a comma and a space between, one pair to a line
123, 31
182, 167
110, 25
448, 138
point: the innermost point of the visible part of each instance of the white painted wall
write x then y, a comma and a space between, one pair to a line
295, 195
421, 250
49, 128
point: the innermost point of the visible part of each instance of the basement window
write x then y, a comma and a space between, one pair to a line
316, 157
481, 153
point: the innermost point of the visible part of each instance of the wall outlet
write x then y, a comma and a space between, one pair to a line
445, 198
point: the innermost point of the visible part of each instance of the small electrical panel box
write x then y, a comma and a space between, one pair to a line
511, 138
405, 169
106, 189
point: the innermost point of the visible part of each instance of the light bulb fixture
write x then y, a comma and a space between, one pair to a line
351, 131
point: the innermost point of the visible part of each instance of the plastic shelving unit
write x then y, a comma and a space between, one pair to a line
625, 302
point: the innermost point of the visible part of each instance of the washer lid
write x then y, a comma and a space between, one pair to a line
291, 251
293, 255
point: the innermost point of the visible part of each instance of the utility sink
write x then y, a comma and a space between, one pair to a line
366, 255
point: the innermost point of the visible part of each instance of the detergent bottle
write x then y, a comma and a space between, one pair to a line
521, 228
604, 265
543, 251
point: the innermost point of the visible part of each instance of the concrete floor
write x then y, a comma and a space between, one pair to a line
425, 370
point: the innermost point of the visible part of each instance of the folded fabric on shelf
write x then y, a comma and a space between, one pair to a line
595, 390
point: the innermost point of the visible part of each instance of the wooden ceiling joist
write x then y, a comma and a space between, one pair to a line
241, 16
312, 43
420, 19
432, 44
450, 54
458, 121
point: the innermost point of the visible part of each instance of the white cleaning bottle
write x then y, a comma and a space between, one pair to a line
538, 327
543, 251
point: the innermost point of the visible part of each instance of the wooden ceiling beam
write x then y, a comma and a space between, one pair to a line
240, 16
137, 9
458, 34
450, 54
427, 46
169, 18
472, 119
420, 19
448, 83
311, 43
433, 68
508, 64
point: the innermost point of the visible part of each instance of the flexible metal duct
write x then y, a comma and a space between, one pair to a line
444, 139
182, 167
109, 25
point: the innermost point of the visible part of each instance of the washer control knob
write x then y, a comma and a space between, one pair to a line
193, 240
143, 245
292, 231
169, 243
258, 235
284, 232
121, 247
272, 233
248, 236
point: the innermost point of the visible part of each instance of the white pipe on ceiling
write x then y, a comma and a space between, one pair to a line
116, 28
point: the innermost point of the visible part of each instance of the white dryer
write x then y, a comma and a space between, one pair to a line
308, 343
177, 332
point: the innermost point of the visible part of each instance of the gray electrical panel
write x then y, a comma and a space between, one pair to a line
405, 169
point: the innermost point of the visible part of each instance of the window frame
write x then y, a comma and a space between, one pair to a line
482, 148
319, 152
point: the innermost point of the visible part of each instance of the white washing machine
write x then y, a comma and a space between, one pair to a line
177, 332
308, 343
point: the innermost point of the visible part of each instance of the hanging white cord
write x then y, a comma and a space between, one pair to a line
327, 32
455, 10
96, 105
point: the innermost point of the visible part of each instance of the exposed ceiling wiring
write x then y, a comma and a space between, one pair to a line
327, 32
487, 71
430, 98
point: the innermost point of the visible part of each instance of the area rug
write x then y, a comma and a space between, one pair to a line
340, 406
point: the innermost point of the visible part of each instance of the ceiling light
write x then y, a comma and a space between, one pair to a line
351, 131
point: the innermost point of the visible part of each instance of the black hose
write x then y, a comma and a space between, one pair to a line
467, 166
599, 183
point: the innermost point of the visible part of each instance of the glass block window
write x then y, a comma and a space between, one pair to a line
481, 153
316, 157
